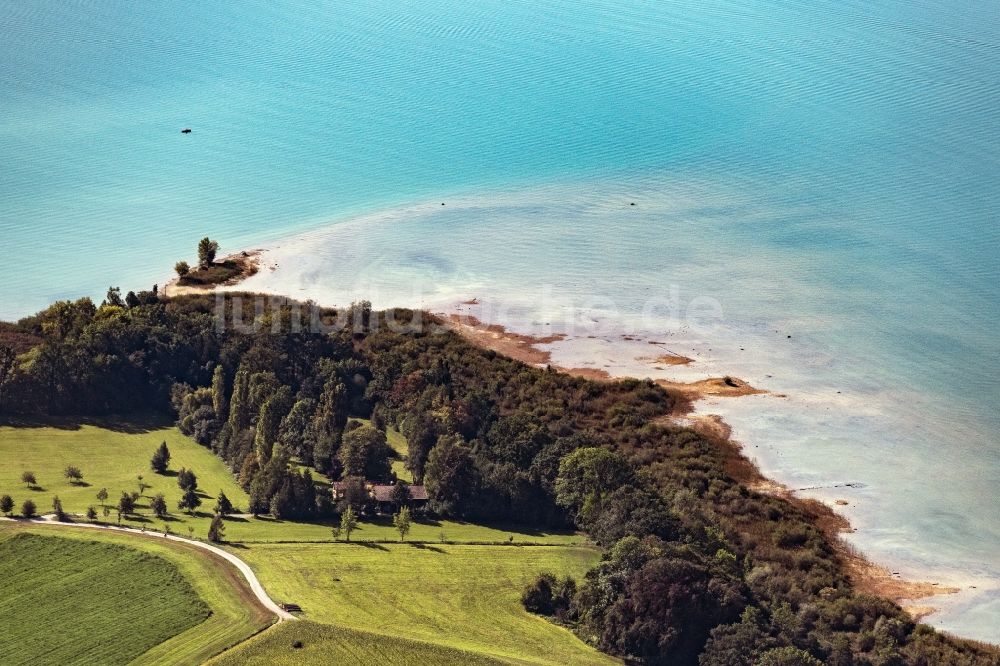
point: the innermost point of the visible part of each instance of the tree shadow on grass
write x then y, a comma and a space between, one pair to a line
425, 546
370, 544
133, 424
133, 518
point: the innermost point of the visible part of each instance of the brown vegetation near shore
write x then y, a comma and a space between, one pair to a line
499, 339
866, 576
523, 348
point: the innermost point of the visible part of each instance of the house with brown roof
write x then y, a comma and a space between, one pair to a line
382, 496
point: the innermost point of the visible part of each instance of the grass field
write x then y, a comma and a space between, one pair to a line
324, 644
449, 598
67, 601
460, 596
99, 591
267, 530
111, 457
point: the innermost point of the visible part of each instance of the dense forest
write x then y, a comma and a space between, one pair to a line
698, 569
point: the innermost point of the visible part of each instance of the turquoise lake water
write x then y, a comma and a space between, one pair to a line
825, 170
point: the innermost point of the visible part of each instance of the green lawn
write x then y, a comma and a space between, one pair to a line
67, 601
104, 611
324, 644
456, 595
111, 457
267, 530
461, 596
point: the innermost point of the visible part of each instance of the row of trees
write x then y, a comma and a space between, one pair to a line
71, 472
28, 508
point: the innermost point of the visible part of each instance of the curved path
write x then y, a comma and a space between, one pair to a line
242, 566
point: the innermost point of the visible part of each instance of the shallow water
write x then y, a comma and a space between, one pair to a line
821, 170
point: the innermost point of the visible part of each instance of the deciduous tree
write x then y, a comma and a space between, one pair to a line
450, 474
159, 505
28, 509
401, 495
348, 523
187, 480
402, 522
28, 479
6, 504
74, 474
364, 452
126, 505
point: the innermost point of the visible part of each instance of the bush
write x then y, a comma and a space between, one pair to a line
537, 596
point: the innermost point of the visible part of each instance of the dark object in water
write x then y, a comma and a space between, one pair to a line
186, 130
632, 204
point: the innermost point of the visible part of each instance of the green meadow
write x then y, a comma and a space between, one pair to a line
76, 596
305, 643
88, 589
117, 598
111, 455
452, 598
461, 596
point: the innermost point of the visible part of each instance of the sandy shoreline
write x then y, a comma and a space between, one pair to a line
867, 576
250, 260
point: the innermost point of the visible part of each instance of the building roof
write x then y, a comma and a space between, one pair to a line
383, 493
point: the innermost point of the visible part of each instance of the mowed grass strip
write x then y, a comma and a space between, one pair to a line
112, 458
308, 643
68, 601
236, 614
267, 530
462, 596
